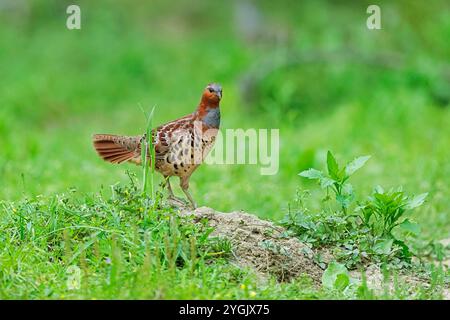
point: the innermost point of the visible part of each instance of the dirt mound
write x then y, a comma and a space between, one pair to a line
265, 247
261, 245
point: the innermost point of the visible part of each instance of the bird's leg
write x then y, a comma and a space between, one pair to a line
184, 184
191, 200
169, 187
171, 194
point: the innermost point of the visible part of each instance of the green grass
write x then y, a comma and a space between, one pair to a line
332, 85
119, 246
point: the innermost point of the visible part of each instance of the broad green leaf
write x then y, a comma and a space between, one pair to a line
383, 246
405, 249
416, 201
311, 174
411, 227
330, 275
347, 189
356, 164
342, 281
333, 168
344, 200
326, 182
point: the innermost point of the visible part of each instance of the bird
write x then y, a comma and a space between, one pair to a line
180, 146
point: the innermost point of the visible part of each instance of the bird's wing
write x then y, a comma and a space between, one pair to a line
168, 135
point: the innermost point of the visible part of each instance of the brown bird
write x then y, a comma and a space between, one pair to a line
180, 145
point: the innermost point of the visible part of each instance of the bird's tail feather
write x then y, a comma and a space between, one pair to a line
118, 149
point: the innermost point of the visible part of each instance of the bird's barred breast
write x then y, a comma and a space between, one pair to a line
186, 150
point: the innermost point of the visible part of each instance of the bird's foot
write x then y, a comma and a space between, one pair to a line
193, 205
181, 203
177, 202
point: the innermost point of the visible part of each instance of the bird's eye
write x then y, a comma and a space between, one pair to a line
211, 90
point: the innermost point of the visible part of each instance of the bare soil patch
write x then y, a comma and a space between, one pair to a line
265, 247
261, 245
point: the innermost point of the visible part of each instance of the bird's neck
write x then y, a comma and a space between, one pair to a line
209, 114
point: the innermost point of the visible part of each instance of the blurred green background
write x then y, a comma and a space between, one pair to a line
310, 68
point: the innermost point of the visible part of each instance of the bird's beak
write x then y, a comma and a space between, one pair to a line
219, 94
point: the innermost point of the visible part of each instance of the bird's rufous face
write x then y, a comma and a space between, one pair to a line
213, 92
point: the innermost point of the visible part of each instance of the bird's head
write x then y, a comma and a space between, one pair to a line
212, 94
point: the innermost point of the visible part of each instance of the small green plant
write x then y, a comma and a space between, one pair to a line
336, 277
337, 178
375, 230
384, 210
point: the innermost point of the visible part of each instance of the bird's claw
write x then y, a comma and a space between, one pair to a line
177, 201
